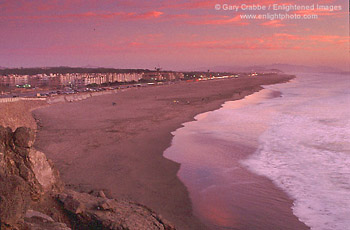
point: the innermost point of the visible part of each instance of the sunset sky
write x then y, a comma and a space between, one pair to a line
175, 35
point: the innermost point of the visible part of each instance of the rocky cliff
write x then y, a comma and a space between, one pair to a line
32, 196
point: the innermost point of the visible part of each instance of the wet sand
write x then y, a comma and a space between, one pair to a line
224, 193
119, 148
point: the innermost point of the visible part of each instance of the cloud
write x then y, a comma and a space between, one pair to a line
273, 23
277, 41
216, 20
88, 15
160, 44
320, 12
331, 39
193, 4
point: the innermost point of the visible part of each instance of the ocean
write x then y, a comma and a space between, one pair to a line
293, 137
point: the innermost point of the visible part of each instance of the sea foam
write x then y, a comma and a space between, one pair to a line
306, 150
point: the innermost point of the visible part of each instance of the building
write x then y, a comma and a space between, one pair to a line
163, 76
55, 80
13, 80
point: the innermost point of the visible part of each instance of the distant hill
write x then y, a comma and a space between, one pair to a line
90, 67
240, 69
302, 68
287, 68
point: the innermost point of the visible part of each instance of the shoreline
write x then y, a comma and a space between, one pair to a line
163, 193
245, 193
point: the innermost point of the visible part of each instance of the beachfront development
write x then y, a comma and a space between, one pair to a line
46, 82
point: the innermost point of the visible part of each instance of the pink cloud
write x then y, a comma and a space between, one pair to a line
278, 41
331, 39
287, 36
87, 15
148, 15
273, 23
194, 4
217, 20
320, 12
157, 43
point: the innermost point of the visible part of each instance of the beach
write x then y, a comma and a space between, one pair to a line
116, 142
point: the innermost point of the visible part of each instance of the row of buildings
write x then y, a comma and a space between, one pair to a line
83, 79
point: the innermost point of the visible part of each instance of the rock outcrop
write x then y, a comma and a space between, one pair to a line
33, 197
25, 175
90, 212
34, 220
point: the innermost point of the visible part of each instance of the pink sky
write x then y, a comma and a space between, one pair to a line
173, 34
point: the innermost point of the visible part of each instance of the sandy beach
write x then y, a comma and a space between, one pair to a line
116, 142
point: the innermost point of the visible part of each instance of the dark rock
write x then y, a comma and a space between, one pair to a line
25, 172
106, 205
14, 199
34, 220
24, 137
5, 138
73, 205
21, 151
103, 213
